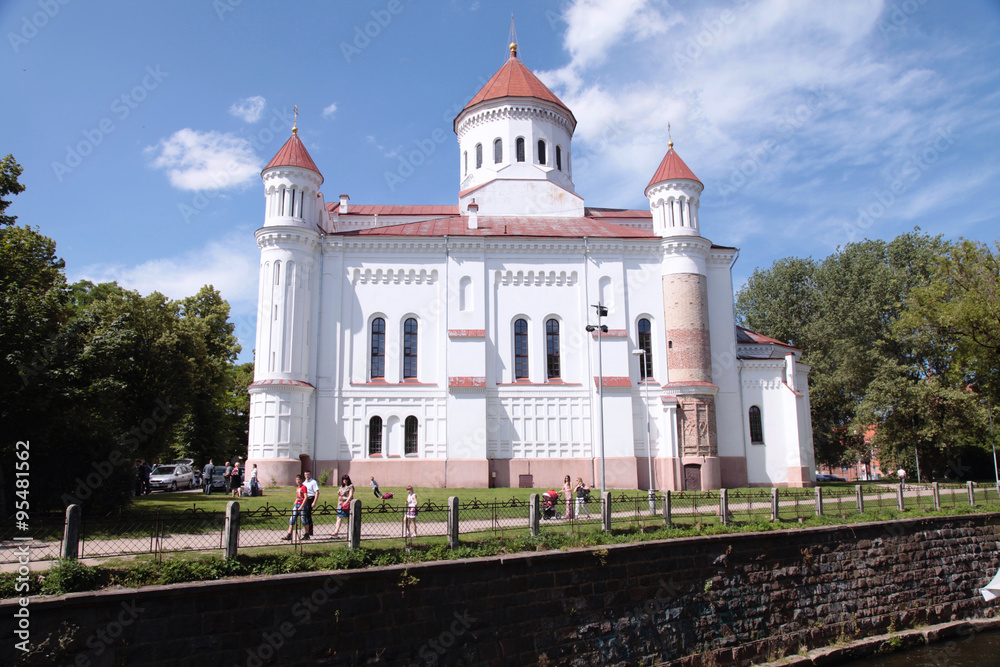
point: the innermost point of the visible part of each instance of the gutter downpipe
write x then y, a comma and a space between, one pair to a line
447, 292
739, 379
319, 326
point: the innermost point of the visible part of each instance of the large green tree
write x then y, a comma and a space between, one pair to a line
10, 171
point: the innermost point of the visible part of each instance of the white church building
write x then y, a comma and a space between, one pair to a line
447, 345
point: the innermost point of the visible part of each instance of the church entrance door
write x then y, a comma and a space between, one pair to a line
692, 477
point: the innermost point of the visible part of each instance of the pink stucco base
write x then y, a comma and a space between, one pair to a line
734, 472
670, 472
798, 477
282, 471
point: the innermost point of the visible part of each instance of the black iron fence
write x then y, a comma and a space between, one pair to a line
265, 526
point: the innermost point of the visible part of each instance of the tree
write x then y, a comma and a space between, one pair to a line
10, 170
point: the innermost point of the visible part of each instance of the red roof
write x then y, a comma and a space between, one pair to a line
617, 212
672, 167
516, 80
747, 337
398, 209
508, 226
293, 154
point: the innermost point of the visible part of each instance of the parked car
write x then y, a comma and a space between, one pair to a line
171, 477
195, 469
829, 478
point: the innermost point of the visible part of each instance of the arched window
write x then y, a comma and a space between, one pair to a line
479, 156
552, 348
520, 149
465, 162
559, 158
521, 350
375, 435
756, 426
410, 349
410, 435
378, 349
541, 151
498, 151
645, 343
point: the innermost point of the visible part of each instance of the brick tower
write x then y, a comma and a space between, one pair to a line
673, 194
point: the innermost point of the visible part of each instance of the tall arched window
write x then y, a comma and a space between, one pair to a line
521, 350
410, 435
756, 426
375, 435
552, 349
559, 158
465, 293
541, 151
645, 343
520, 149
465, 162
498, 151
378, 349
410, 349
479, 156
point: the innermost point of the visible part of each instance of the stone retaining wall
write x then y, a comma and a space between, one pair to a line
728, 599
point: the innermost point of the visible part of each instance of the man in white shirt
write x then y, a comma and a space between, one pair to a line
902, 476
312, 497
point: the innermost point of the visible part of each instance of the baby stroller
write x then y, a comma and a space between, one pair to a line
549, 500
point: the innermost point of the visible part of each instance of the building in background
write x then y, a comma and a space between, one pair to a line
446, 345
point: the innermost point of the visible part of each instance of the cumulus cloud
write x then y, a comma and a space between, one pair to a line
205, 160
249, 109
330, 110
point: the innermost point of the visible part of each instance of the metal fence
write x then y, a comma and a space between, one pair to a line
196, 530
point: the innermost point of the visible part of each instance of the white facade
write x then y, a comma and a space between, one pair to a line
414, 343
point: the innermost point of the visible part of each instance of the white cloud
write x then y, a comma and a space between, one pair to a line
330, 110
205, 160
249, 109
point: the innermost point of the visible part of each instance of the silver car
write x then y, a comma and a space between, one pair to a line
171, 477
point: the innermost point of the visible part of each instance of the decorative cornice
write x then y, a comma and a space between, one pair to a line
261, 386
280, 236
613, 381
696, 388
394, 276
547, 278
508, 112
467, 384
686, 245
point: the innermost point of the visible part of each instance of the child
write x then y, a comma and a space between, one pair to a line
300, 500
375, 488
411, 512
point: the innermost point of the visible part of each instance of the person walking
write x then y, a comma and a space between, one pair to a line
411, 513
300, 501
312, 497
567, 490
345, 494
901, 473
235, 481
375, 490
582, 492
254, 483
206, 477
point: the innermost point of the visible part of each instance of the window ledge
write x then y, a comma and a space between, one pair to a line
757, 443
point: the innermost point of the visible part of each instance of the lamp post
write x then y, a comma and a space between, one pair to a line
602, 311
641, 353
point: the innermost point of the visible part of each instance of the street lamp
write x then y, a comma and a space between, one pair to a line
602, 311
641, 353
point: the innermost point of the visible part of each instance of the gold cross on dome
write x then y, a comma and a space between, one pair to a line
295, 123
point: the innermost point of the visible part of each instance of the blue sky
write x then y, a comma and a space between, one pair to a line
142, 126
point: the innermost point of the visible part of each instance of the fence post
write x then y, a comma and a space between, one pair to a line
452, 522
666, 510
937, 495
606, 511
819, 501
899, 498
231, 529
972, 492
774, 503
533, 514
71, 533
724, 506
354, 525
859, 494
